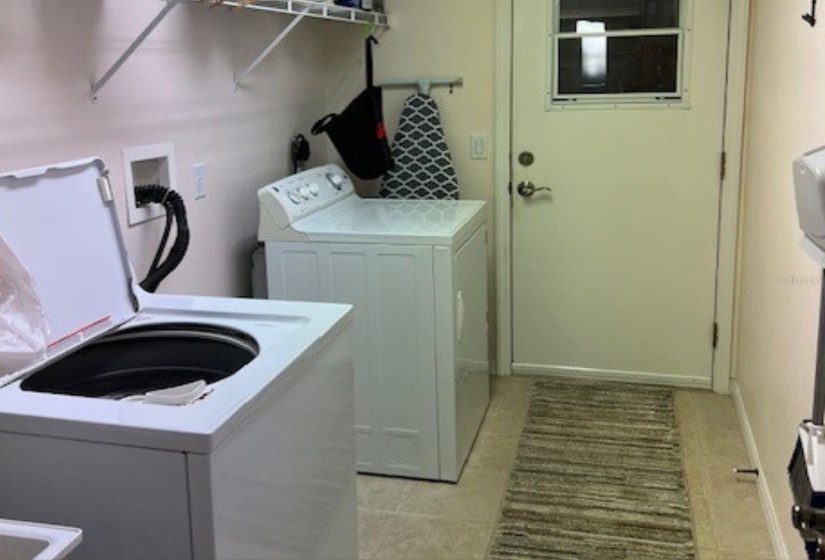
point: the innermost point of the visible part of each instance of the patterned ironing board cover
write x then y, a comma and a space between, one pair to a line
423, 166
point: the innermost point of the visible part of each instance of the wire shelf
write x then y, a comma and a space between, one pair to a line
300, 9
319, 9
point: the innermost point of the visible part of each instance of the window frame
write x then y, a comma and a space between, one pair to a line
680, 99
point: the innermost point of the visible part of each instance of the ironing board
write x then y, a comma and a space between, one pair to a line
423, 165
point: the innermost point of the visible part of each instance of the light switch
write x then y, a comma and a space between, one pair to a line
478, 146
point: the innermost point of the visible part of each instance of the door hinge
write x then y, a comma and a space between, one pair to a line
723, 166
715, 335
510, 188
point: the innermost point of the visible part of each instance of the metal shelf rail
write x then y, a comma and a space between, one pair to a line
319, 9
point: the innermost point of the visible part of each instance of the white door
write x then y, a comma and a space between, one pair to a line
614, 271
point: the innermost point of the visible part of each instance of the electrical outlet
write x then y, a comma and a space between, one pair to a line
199, 176
147, 165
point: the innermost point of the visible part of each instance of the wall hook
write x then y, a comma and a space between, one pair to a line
811, 18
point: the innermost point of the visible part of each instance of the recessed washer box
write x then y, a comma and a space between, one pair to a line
146, 165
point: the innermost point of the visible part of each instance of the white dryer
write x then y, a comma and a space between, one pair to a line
259, 463
416, 273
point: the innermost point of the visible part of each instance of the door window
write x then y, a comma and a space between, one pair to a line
618, 52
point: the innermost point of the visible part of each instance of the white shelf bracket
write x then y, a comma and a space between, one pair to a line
98, 85
277, 41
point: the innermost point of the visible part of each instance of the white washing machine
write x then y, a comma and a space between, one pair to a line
258, 462
416, 273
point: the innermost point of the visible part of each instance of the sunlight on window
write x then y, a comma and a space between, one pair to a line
594, 53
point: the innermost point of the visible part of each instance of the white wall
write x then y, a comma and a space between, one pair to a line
177, 88
777, 322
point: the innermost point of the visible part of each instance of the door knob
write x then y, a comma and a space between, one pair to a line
528, 189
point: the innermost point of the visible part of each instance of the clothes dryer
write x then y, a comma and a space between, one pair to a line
416, 273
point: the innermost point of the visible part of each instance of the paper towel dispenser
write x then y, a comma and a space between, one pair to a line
809, 184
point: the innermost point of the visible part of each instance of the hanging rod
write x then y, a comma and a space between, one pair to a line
98, 85
423, 84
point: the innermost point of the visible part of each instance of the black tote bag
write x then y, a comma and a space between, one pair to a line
358, 132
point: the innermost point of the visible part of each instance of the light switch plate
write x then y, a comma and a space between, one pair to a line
478, 146
199, 177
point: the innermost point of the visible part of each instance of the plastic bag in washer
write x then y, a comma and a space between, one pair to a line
24, 329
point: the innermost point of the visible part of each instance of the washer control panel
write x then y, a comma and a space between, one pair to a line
286, 201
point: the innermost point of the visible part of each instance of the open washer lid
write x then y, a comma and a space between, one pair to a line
60, 221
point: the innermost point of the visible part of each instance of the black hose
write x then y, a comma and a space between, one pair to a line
173, 204
167, 229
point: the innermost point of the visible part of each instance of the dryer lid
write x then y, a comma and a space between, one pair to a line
393, 221
60, 221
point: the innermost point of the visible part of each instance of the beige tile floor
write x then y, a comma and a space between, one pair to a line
407, 519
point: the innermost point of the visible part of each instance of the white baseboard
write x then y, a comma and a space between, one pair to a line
614, 375
780, 548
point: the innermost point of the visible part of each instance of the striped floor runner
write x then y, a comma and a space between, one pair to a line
598, 476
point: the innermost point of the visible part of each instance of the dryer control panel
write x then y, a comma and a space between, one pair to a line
286, 201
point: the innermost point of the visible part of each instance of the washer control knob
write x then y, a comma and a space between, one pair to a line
314, 189
305, 192
336, 180
295, 197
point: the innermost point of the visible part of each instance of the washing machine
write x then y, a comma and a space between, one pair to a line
416, 273
169, 426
